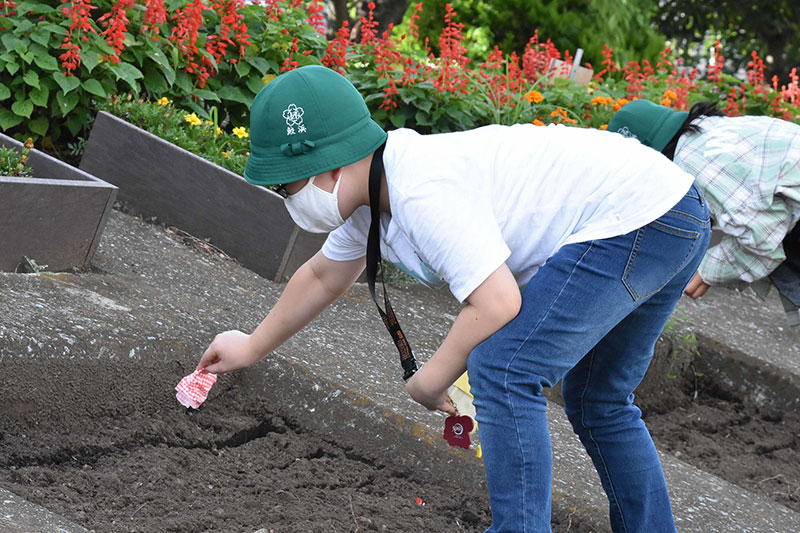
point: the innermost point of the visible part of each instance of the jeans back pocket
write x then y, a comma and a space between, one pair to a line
660, 251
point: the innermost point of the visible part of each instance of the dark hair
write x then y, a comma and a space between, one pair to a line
698, 110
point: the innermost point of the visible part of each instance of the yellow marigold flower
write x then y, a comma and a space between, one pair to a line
163, 101
665, 102
671, 95
219, 130
538, 122
268, 78
28, 143
241, 132
192, 119
534, 97
604, 127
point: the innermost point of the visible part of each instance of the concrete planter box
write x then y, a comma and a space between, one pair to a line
55, 218
157, 178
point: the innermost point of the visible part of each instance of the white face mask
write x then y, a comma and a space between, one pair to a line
315, 210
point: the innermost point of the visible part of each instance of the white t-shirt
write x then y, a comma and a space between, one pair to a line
463, 203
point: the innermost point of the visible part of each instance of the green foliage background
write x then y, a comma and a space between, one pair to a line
624, 25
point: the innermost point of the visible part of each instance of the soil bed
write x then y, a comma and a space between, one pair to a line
695, 415
721, 429
105, 444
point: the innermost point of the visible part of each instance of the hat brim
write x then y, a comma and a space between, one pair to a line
272, 167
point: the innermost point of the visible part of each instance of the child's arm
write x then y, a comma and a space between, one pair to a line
310, 290
489, 307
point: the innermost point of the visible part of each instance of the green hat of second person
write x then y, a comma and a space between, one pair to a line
305, 122
654, 125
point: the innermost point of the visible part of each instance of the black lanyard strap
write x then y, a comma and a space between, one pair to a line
407, 360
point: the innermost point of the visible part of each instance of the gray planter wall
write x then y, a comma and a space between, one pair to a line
157, 178
56, 218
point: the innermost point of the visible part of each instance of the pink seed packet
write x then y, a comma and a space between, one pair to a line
193, 389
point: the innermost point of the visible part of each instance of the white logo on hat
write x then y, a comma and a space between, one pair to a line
294, 117
626, 132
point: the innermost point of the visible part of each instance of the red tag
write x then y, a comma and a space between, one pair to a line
457, 430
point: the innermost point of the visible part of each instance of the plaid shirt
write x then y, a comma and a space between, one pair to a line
749, 171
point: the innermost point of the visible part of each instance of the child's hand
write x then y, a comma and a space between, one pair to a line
229, 351
427, 391
696, 286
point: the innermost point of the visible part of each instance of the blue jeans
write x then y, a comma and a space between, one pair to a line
591, 315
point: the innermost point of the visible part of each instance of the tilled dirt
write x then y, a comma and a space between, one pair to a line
105, 444
722, 428
693, 412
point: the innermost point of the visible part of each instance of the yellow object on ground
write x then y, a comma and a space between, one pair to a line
462, 398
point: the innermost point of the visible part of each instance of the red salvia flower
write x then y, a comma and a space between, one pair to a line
115, 23
289, 63
316, 19
369, 26
716, 69
453, 56
155, 15
9, 8
336, 54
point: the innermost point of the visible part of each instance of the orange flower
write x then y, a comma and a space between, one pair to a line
558, 112
619, 103
602, 100
604, 126
534, 97
669, 94
665, 102
538, 122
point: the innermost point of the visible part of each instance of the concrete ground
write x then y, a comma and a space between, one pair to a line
153, 297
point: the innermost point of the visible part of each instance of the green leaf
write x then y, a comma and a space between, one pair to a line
9, 41
31, 78
154, 81
183, 82
259, 63
242, 68
229, 92
255, 84
5, 92
104, 47
163, 62
75, 122
398, 119
93, 86
90, 59
23, 108
129, 73
8, 119
45, 61
206, 95
40, 96
21, 49
273, 66
66, 102
39, 125
67, 83
41, 36
37, 8
54, 28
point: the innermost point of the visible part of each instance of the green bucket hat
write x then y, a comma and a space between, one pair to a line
652, 124
305, 122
